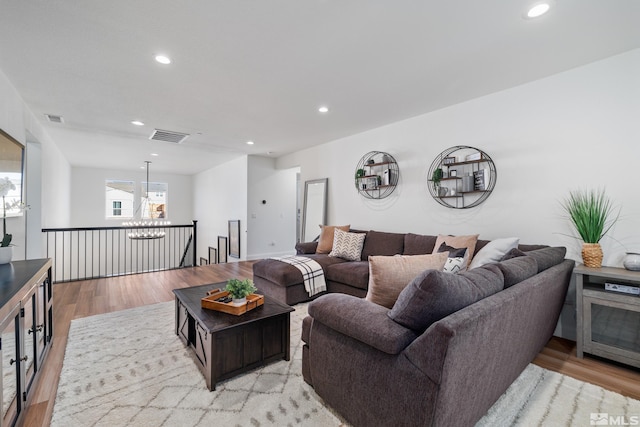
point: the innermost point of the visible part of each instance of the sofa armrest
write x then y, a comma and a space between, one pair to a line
303, 248
361, 320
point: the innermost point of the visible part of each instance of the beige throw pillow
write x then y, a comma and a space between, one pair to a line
468, 242
389, 275
325, 243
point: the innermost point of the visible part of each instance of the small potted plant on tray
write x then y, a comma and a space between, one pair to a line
239, 289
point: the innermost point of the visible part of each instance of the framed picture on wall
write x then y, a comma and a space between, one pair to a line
204, 261
234, 238
222, 249
213, 255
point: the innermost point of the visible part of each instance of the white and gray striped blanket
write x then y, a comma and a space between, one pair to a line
312, 273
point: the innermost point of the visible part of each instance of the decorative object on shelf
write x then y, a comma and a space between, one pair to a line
631, 261
461, 184
376, 175
147, 230
239, 289
592, 214
234, 238
448, 160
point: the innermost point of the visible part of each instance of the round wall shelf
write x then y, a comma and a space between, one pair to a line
376, 175
461, 177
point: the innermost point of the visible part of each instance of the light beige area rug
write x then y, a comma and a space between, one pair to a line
128, 368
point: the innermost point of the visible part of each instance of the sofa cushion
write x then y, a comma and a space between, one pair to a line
381, 243
417, 244
493, 251
517, 269
325, 243
347, 245
434, 295
284, 274
355, 274
548, 257
389, 275
459, 242
513, 253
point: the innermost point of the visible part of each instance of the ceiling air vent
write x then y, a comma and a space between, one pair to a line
54, 119
168, 136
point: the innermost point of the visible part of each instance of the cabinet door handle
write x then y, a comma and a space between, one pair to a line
38, 328
23, 359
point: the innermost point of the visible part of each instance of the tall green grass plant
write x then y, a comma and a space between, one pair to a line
591, 213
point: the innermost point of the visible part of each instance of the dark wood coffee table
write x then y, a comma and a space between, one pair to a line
226, 345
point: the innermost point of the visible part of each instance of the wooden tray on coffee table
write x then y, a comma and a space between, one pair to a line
209, 302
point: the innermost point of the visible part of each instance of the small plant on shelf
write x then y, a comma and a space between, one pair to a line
592, 214
239, 289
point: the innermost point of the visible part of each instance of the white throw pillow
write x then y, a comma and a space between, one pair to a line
494, 251
347, 245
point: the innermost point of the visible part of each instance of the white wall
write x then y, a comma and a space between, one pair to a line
88, 195
220, 195
271, 228
577, 129
16, 119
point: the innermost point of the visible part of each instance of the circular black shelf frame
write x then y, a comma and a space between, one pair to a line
376, 175
459, 199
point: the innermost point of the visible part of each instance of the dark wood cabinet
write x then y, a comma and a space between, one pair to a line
26, 332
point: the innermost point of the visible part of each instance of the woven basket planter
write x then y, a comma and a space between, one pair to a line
592, 255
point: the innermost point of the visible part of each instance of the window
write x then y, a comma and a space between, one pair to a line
119, 199
117, 208
153, 205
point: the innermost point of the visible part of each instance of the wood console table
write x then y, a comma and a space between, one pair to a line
607, 321
26, 332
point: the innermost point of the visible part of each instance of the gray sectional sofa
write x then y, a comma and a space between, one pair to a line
284, 282
447, 350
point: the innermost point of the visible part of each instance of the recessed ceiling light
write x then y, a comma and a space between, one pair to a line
538, 10
163, 59
141, 167
155, 154
323, 109
137, 123
250, 142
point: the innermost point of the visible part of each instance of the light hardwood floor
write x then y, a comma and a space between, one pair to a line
80, 299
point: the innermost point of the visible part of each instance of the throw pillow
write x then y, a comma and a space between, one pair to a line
493, 251
434, 295
468, 242
389, 275
456, 259
347, 245
325, 243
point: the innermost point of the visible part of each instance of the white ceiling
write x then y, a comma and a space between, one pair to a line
258, 70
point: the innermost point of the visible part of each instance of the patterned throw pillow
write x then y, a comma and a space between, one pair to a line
325, 243
456, 260
468, 242
347, 245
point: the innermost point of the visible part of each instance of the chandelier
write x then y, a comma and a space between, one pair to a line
146, 230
